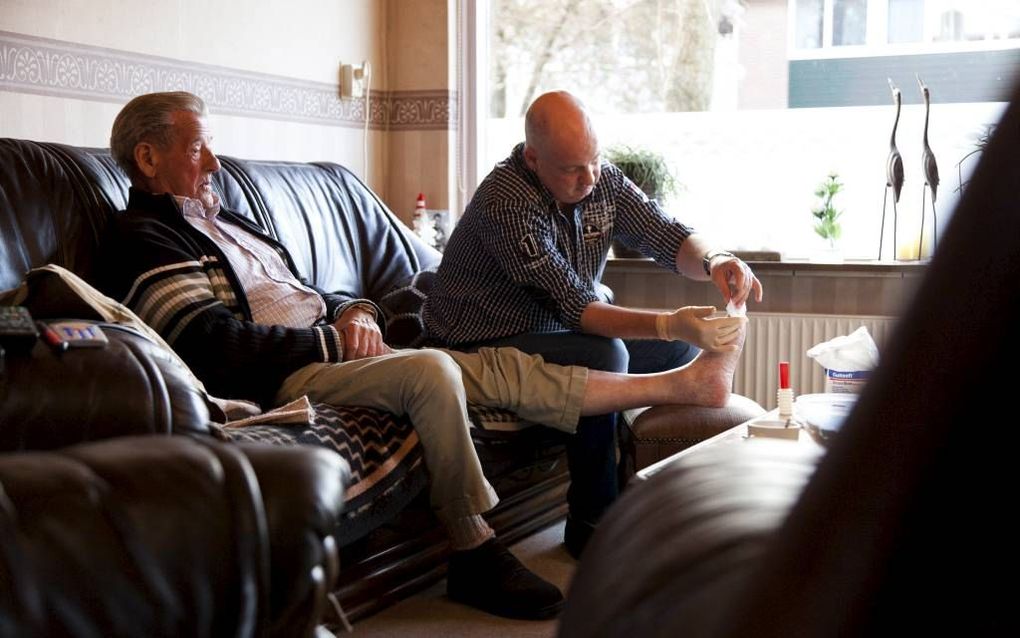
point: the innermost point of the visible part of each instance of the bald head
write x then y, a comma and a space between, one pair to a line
556, 118
561, 147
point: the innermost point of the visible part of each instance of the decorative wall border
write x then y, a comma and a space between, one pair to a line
42, 66
418, 110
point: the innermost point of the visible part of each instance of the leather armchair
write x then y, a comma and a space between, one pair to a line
166, 536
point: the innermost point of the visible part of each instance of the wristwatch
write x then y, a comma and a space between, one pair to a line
707, 259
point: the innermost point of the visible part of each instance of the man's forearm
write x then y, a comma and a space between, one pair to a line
688, 258
607, 320
693, 324
734, 279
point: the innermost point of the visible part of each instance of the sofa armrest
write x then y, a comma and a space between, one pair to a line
690, 537
50, 399
136, 536
167, 536
303, 495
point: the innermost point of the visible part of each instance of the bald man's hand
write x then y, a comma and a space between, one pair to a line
735, 280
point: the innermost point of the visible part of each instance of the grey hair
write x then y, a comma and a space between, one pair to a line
147, 118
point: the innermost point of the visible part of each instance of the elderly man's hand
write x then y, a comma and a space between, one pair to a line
361, 334
735, 280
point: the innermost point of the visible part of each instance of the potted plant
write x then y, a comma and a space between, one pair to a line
649, 172
979, 146
826, 215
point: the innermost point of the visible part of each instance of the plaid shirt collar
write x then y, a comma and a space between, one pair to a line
193, 208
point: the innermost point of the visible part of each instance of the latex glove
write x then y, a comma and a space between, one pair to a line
361, 335
697, 326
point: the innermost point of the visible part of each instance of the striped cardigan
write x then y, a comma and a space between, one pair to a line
179, 282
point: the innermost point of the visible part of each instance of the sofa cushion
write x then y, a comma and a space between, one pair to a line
402, 306
341, 236
47, 213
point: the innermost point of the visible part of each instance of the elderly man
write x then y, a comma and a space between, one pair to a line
522, 269
229, 300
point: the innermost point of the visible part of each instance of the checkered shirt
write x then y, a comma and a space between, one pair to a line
516, 264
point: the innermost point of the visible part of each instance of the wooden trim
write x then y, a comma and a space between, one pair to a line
856, 266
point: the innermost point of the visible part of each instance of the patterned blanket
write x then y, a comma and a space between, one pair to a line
387, 470
385, 455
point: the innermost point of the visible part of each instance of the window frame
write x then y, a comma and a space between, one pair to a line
472, 93
474, 161
877, 35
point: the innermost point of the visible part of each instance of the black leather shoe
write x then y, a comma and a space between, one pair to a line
490, 578
575, 536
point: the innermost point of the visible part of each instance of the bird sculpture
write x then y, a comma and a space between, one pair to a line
931, 173
893, 172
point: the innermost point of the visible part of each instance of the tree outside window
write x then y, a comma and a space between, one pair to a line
629, 55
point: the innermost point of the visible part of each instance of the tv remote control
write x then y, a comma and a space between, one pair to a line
17, 330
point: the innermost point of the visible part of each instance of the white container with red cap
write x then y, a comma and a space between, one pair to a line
784, 395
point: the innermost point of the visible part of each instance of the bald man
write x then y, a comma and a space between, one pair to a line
523, 268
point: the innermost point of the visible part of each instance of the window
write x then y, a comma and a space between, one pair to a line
849, 22
810, 19
873, 25
905, 21
755, 102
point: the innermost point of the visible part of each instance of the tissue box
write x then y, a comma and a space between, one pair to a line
849, 382
847, 361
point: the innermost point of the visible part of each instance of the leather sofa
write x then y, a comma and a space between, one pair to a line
55, 203
109, 529
901, 528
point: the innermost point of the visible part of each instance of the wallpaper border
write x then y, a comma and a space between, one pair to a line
43, 66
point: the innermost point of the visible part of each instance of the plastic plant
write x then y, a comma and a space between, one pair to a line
825, 214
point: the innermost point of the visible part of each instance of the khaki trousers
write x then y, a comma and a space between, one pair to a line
433, 387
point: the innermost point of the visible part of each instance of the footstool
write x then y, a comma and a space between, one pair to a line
651, 434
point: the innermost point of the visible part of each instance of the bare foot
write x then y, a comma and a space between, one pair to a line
705, 381
708, 379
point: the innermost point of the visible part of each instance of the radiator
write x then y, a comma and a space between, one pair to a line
775, 337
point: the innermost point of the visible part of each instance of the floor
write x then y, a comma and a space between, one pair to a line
430, 613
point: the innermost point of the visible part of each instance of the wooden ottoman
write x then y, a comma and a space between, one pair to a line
648, 435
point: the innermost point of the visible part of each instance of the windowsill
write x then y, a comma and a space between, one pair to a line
852, 287
638, 264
